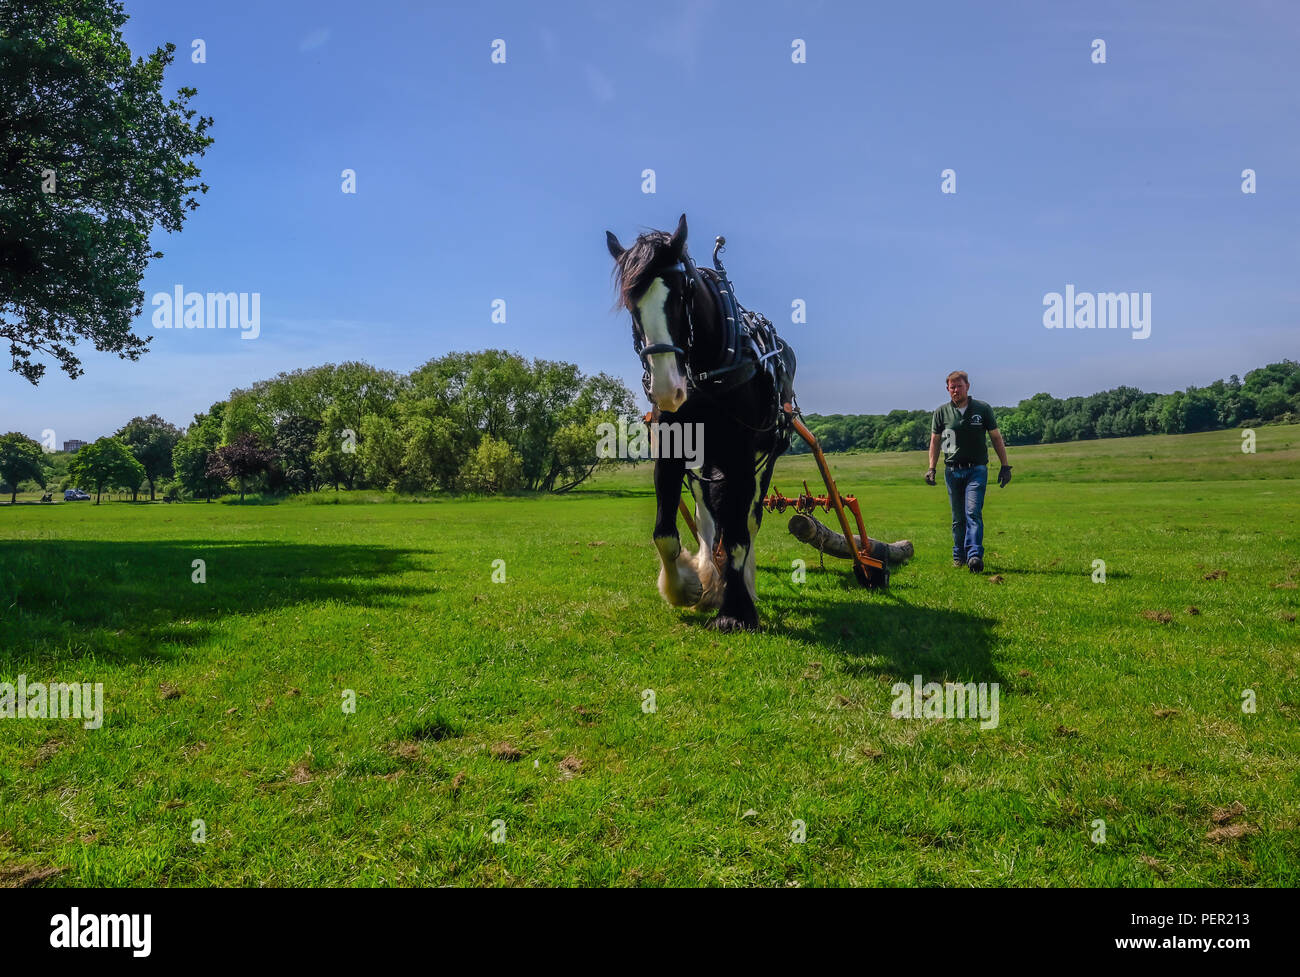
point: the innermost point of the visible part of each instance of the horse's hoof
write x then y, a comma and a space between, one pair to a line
726, 623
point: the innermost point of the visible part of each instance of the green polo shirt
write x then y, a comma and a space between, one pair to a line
967, 445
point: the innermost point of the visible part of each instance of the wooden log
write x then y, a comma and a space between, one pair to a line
808, 530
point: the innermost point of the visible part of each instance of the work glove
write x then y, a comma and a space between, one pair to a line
1004, 476
929, 477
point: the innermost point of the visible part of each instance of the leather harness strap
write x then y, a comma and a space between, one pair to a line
747, 342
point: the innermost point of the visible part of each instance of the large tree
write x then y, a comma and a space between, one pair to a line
92, 158
20, 459
151, 440
190, 456
241, 460
107, 462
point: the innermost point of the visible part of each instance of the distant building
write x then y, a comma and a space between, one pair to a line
72, 446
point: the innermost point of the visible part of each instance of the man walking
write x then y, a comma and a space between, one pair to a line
959, 428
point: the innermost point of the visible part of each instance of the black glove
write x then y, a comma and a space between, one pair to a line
929, 477
1004, 476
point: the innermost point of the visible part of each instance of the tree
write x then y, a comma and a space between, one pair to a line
382, 453
190, 455
106, 462
21, 458
242, 460
91, 158
492, 467
295, 440
435, 450
152, 441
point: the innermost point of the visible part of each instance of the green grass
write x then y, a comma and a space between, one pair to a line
223, 699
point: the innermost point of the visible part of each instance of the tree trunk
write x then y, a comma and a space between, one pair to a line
808, 530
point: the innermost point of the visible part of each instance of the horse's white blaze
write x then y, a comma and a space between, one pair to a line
667, 388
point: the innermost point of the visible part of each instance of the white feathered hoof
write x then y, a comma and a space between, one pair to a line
712, 582
679, 584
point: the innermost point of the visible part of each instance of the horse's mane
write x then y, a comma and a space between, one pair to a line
632, 269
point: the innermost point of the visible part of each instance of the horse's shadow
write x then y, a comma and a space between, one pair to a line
878, 631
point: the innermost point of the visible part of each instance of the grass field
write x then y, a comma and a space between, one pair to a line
522, 702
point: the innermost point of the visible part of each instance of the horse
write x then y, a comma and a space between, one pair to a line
711, 363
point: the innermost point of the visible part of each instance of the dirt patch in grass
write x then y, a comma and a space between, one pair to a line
1229, 832
504, 751
45, 751
1164, 617
1222, 815
570, 767
22, 875
408, 750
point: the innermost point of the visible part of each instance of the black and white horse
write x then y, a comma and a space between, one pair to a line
707, 365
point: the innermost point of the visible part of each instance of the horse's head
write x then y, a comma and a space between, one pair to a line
655, 277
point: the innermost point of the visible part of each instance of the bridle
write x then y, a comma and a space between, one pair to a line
691, 276
737, 357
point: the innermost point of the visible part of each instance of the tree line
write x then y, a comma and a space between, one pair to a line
492, 421
1268, 395
484, 422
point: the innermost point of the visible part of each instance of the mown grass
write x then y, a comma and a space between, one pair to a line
224, 699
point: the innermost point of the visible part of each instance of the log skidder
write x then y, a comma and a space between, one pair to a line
871, 558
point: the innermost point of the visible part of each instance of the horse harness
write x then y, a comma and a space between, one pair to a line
749, 342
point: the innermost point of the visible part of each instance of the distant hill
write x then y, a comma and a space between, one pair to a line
1268, 395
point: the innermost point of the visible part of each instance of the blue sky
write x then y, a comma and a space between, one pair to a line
478, 181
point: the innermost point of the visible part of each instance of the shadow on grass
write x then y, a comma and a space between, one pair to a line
877, 632
121, 601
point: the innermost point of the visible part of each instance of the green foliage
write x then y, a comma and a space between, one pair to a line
190, 455
492, 467
21, 458
295, 440
106, 463
1271, 393
92, 158
152, 441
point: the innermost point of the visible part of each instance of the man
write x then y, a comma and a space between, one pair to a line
959, 427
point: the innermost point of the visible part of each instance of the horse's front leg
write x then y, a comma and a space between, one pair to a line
736, 517
678, 582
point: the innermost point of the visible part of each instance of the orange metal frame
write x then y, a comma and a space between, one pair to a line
807, 502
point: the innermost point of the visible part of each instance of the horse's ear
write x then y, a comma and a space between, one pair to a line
615, 248
679, 238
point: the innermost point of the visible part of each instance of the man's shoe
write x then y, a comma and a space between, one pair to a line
976, 565
957, 561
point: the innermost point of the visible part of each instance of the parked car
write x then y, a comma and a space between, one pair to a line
75, 495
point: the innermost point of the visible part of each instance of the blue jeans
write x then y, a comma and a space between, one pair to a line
966, 495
